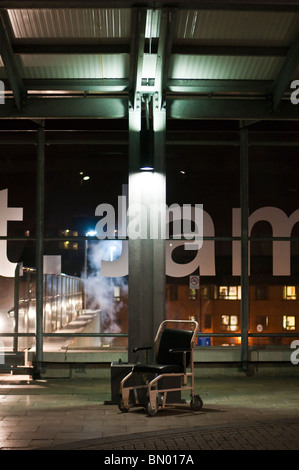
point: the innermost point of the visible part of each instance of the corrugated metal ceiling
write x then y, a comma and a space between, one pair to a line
237, 27
71, 23
195, 27
75, 66
225, 68
79, 23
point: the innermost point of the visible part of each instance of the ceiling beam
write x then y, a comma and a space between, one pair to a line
67, 108
29, 47
178, 108
73, 84
229, 50
24, 46
8, 58
284, 77
247, 5
183, 85
164, 51
229, 108
137, 53
176, 85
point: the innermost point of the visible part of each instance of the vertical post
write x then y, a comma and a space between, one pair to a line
135, 254
16, 307
146, 255
159, 257
40, 166
244, 245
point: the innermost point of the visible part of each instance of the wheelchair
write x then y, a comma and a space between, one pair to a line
173, 352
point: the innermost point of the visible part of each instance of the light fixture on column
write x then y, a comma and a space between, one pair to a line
147, 141
146, 150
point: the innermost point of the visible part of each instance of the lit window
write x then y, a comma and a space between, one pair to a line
229, 322
223, 292
289, 322
289, 292
230, 292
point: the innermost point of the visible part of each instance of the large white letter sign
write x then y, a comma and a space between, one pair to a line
2, 95
204, 258
105, 228
295, 94
281, 227
7, 268
118, 267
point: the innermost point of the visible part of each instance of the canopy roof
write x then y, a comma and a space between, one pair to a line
94, 59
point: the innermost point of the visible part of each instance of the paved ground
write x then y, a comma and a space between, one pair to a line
254, 413
263, 435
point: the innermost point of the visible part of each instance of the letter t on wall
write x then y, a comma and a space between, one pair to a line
7, 268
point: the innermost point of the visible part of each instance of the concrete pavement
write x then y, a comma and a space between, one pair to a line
239, 412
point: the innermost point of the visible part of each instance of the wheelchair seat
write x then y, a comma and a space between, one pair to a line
173, 356
158, 368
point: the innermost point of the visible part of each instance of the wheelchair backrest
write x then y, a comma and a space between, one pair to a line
172, 339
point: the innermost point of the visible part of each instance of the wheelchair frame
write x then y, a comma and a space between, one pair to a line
158, 397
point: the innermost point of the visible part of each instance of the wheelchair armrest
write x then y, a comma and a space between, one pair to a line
174, 350
142, 348
183, 350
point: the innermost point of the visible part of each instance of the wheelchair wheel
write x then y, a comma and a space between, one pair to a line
122, 407
196, 403
150, 410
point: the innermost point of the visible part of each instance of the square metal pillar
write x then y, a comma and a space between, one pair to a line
39, 246
147, 254
244, 245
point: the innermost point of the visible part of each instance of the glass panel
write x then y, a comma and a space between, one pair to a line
274, 269
205, 174
17, 299
274, 168
217, 305
80, 186
17, 207
18, 186
273, 299
84, 300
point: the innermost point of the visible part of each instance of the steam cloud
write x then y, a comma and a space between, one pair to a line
99, 290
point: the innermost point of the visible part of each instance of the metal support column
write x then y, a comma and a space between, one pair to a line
16, 307
146, 190
147, 253
159, 248
40, 163
244, 245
